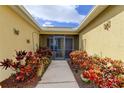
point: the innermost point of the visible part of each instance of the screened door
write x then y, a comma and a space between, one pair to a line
61, 46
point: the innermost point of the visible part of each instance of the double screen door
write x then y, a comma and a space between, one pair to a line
61, 46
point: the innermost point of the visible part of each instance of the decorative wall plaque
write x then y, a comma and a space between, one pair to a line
107, 25
16, 32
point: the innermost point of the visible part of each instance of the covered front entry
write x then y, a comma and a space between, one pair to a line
61, 46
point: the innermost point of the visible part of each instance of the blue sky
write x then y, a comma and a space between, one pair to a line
59, 16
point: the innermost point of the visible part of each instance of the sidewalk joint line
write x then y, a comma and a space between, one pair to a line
57, 82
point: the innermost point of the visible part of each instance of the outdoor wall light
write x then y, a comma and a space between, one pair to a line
28, 41
107, 25
16, 32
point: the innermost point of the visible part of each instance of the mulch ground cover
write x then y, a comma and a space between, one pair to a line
32, 83
77, 74
11, 83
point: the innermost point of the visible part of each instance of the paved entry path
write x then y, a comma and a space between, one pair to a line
58, 75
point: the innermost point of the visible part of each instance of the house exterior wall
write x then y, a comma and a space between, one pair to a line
43, 40
106, 43
9, 42
76, 42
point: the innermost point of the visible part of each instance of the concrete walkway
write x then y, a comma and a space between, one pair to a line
58, 75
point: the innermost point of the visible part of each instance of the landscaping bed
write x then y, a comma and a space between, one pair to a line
77, 74
30, 83
94, 71
29, 67
11, 83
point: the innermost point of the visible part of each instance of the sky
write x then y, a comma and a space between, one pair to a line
58, 15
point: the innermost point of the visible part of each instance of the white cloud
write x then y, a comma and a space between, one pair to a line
48, 24
56, 13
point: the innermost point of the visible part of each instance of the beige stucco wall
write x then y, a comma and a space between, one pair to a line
9, 42
43, 40
102, 42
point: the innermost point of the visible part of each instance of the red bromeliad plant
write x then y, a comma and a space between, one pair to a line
44, 52
25, 65
6, 63
24, 73
20, 55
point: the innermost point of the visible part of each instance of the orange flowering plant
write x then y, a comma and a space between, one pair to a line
104, 72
